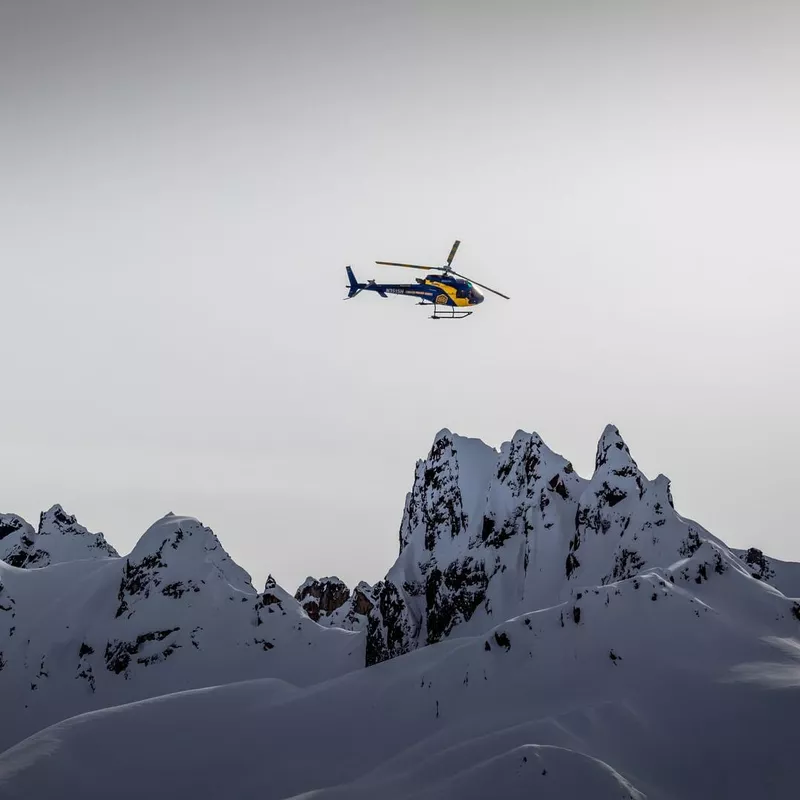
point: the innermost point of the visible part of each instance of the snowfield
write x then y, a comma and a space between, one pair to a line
540, 635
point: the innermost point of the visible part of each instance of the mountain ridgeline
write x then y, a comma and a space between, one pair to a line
487, 536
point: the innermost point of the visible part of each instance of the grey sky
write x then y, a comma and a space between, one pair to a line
182, 185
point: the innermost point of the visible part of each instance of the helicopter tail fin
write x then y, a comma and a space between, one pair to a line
355, 286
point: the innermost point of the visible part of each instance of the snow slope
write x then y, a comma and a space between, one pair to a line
176, 613
644, 692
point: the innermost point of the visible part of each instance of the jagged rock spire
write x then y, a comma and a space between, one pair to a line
611, 449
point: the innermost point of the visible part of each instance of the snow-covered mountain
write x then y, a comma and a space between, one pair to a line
488, 535
176, 613
59, 538
540, 634
653, 686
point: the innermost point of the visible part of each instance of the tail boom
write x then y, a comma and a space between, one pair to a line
355, 287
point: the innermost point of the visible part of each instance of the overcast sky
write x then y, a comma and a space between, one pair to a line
183, 183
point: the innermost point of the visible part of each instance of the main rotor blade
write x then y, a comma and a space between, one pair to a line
409, 266
488, 288
453, 251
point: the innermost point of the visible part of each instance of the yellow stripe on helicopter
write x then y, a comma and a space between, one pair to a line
450, 291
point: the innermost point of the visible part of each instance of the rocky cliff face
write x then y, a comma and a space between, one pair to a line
321, 598
489, 535
435, 583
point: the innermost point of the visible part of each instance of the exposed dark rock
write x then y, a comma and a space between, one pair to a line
361, 603
118, 653
322, 597
453, 596
690, 545
610, 495
10, 523
389, 632
627, 564
179, 588
611, 439
572, 564
759, 564
139, 577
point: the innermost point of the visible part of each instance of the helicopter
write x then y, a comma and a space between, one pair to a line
450, 297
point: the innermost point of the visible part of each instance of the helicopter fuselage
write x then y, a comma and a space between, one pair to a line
439, 290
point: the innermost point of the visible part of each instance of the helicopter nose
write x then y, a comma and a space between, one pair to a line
476, 297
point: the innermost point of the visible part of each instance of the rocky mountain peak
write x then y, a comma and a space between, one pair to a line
13, 525
329, 602
321, 597
59, 538
57, 522
612, 450
185, 540
489, 534
177, 555
363, 598
434, 503
435, 511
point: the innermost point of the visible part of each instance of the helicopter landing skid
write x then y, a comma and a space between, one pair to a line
450, 313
